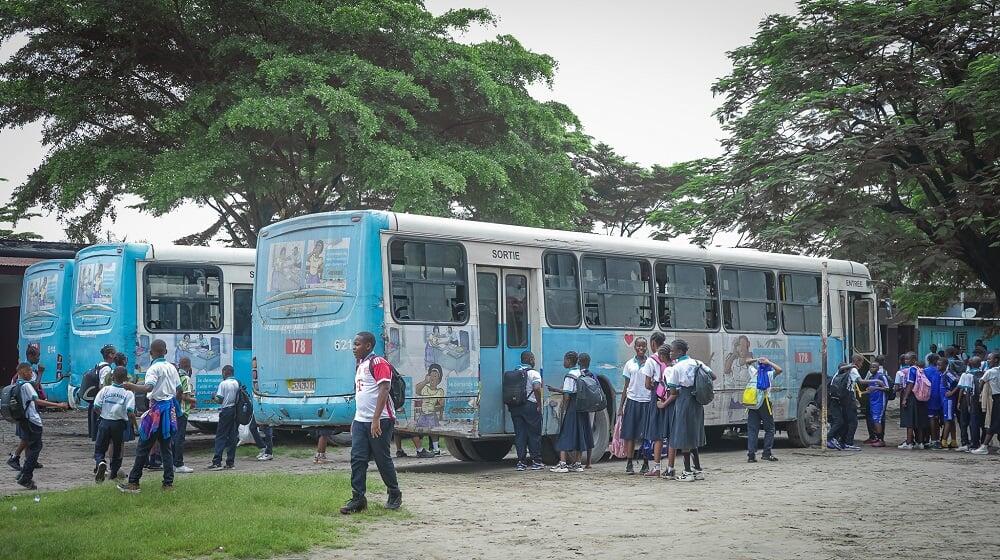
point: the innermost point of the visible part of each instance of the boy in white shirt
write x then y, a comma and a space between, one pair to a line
527, 417
29, 428
992, 377
227, 432
115, 407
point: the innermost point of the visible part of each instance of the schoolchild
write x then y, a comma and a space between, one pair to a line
575, 432
634, 408
115, 407
658, 421
29, 428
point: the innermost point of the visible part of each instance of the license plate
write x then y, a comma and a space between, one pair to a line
301, 385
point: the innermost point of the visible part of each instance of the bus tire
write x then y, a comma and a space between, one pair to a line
456, 450
487, 450
601, 425
804, 430
549, 454
714, 433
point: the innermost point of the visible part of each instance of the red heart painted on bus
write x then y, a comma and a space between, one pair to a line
629, 339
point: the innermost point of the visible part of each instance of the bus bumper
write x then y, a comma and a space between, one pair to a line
57, 391
304, 411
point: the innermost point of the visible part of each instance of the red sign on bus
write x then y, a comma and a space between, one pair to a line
302, 346
803, 357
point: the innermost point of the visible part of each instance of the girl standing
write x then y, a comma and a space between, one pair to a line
687, 427
575, 433
658, 422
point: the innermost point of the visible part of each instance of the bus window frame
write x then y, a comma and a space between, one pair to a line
465, 275
651, 294
145, 299
718, 295
495, 343
781, 304
722, 300
249, 319
579, 288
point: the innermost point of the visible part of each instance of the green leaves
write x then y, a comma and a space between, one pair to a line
267, 110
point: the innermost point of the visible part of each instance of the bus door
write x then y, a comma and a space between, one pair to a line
505, 323
862, 331
242, 298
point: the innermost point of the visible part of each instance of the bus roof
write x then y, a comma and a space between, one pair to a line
584, 242
176, 253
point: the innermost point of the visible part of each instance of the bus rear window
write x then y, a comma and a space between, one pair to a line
42, 291
428, 282
183, 298
96, 281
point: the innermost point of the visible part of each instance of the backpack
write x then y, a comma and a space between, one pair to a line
840, 387
589, 394
11, 405
890, 391
514, 384
244, 407
91, 383
397, 388
703, 388
922, 387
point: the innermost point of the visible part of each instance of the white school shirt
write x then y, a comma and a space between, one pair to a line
28, 397
103, 373
634, 372
163, 378
228, 390
900, 377
370, 373
682, 373
533, 378
115, 402
992, 375
569, 382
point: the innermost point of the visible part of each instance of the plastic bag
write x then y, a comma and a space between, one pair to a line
244, 436
617, 443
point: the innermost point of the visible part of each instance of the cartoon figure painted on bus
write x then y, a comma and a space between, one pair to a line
735, 360
450, 349
431, 395
42, 293
95, 283
314, 263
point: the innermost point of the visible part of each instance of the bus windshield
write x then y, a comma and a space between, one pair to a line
298, 265
97, 281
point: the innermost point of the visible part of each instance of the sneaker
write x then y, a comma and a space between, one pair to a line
14, 462
560, 468
228, 467
437, 451
521, 467
128, 487
669, 474
652, 474
869, 441
395, 500
700, 474
937, 445
645, 467
686, 476
981, 450
265, 457
851, 448
629, 468
183, 469
320, 458
751, 459
39, 466
952, 445
770, 458
834, 444
879, 443
962, 449
424, 454
904, 445
355, 505
537, 466
102, 471
399, 454
215, 467
167, 487
27, 484
576, 467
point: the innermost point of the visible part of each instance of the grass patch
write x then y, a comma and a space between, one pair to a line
230, 515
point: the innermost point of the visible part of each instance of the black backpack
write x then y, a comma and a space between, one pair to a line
11, 405
515, 383
840, 388
244, 407
589, 394
397, 388
91, 383
703, 387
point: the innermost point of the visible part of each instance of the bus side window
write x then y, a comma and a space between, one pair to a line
800, 303
748, 300
428, 281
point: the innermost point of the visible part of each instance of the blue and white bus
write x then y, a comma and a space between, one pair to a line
470, 297
46, 300
197, 299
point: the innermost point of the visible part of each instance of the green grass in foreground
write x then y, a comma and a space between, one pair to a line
230, 515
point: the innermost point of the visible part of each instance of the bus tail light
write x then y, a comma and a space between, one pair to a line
59, 367
253, 372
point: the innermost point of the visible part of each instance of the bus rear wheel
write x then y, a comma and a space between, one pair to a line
204, 427
456, 450
804, 431
487, 450
601, 425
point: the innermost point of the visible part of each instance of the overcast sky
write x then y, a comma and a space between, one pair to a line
637, 73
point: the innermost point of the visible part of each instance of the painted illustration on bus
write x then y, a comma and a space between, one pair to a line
96, 282
324, 265
42, 292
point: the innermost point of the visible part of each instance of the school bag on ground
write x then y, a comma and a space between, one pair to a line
704, 390
515, 383
589, 394
244, 407
922, 386
11, 406
840, 388
397, 388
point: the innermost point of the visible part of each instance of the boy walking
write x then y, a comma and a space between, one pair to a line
527, 417
227, 432
763, 415
371, 431
29, 428
115, 408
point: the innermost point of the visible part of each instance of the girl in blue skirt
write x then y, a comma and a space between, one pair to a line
575, 434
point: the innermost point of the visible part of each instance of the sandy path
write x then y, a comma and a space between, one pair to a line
877, 503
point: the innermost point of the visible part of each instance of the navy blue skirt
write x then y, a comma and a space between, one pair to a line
688, 422
658, 421
634, 419
575, 434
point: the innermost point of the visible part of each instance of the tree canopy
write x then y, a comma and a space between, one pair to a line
267, 109
862, 129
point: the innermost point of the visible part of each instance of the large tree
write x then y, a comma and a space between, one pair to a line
621, 195
862, 129
267, 109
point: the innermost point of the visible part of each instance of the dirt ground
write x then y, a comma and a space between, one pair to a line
877, 503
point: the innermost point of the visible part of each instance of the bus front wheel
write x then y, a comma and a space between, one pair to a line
601, 425
456, 450
804, 430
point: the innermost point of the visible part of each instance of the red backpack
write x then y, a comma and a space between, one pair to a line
922, 386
